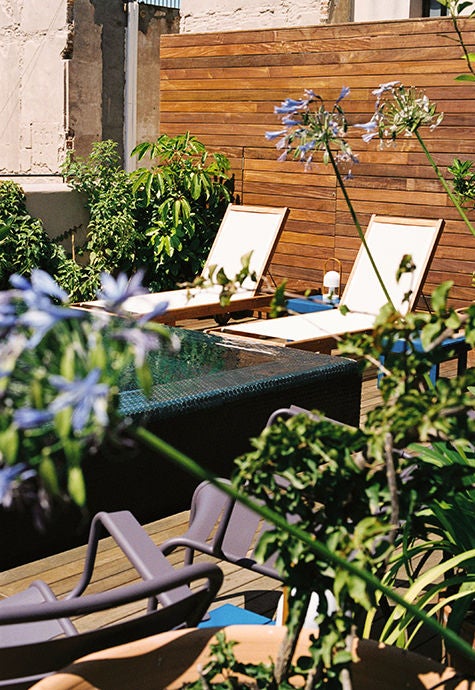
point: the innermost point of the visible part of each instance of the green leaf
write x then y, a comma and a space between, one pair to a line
77, 485
461, 6
440, 295
465, 77
428, 334
141, 149
176, 212
428, 578
48, 474
9, 444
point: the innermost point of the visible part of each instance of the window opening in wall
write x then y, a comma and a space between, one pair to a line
432, 8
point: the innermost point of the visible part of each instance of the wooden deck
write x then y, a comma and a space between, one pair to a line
241, 587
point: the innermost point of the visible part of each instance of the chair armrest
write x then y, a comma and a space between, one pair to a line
138, 547
90, 603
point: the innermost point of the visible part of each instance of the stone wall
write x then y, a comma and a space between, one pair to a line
228, 15
154, 22
96, 74
62, 79
33, 36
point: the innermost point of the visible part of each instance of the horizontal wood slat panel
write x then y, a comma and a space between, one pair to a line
341, 31
223, 87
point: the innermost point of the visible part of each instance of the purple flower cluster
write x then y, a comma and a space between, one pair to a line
60, 369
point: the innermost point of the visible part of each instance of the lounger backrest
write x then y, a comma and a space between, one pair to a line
246, 229
389, 239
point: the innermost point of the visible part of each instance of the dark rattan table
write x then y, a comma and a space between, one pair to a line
208, 401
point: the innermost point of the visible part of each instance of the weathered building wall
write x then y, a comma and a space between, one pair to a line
227, 15
154, 22
62, 76
97, 71
96, 75
33, 36
375, 10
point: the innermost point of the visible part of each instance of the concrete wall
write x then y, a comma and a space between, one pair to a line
33, 36
59, 207
375, 10
62, 79
228, 15
96, 74
153, 23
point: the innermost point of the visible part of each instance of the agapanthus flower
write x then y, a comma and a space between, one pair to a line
371, 129
345, 91
114, 291
309, 127
42, 313
40, 286
31, 418
159, 309
8, 312
10, 349
400, 111
42, 318
274, 135
383, 88
143, 342
86, 396
9, 474
290, 105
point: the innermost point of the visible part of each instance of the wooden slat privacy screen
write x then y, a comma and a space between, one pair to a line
223, 89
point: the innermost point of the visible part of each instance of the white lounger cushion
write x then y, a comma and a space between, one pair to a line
389, 239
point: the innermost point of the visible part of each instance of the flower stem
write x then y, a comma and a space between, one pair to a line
466, 55
358, 225
185, 462
444, 184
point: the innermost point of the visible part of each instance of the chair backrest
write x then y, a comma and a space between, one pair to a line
389, 239
23, 663
223, 527
245, 229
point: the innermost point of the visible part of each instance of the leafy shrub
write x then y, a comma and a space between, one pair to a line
24, 244
111, 233
161, 220
180, 200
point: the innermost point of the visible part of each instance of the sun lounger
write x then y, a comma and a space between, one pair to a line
243, 229
389, 239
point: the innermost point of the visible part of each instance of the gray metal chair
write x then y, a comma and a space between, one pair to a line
37, 637
224, 528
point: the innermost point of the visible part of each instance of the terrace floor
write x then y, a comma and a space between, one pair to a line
241, 587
